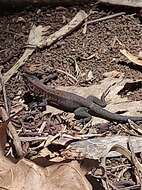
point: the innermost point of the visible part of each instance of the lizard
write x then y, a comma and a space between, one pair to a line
83, 108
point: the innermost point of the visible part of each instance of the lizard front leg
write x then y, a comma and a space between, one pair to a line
82, 114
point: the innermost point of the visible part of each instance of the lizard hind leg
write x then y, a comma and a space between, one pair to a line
82, 115
102, 101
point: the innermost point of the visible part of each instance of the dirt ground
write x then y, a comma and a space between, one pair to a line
98, 40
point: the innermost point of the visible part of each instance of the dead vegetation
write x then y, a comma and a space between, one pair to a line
82, 50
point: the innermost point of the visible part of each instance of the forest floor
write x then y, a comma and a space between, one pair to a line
98, 40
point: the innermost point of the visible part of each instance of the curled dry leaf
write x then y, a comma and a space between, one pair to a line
134, 59
123, 151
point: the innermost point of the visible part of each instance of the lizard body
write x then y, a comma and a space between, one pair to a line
83, 108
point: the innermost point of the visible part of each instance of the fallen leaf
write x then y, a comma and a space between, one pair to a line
134, 59
97, 148
132, 3
26, 175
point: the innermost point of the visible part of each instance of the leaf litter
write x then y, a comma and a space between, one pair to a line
57, 152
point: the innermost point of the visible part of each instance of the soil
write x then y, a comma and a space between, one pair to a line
98, 40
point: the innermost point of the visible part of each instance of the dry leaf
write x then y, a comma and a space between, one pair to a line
134, 59
98, 147
132, 3
27, 175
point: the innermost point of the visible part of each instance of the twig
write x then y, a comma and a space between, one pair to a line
42, 127
138, 166
28, 52
122, 172
10, 32
135, 127
116, 40
133, 133
65, 30
38, 39
77, 69
51, 140
83, 137
2, 50
90, 57
86, 126
134, 187
30, 139
13, 134
4, 93
106, 18
71, 76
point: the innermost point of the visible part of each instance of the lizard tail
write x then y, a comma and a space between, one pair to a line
98, 111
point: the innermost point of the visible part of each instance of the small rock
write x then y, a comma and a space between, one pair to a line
140, 55
60, 8
38, 11
90, 76
20, 19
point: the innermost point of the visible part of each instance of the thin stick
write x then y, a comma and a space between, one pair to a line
69, 75
13, 134
10, 32
106, 18
135, 162
4, 93
47, 142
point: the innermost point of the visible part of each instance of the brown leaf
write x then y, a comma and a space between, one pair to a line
28, 176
